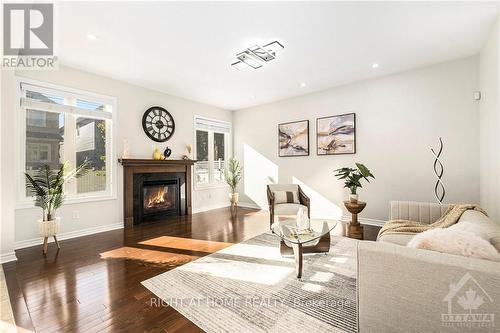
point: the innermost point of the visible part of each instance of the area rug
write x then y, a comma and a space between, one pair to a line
250, 287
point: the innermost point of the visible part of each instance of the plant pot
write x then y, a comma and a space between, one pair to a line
353, 197
49, 228
234, 197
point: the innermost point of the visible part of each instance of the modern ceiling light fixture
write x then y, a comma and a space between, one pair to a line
256, 56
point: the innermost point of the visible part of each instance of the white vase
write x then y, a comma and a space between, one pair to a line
353, 197
234, 197
49, 228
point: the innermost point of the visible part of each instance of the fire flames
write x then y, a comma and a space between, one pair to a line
158, 199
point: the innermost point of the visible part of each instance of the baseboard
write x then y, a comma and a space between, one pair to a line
7, 257
68, 235
365, 221
211, 207
249, 205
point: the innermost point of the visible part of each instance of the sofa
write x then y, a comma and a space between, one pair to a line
402, 289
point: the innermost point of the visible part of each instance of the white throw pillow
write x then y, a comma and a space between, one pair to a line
286, 197
463, 243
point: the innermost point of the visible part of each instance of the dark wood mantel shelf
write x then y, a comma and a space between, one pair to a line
133, 166
134, 162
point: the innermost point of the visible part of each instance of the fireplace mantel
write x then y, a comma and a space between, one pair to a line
139, 166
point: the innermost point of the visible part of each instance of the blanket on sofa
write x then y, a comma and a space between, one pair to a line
449, 218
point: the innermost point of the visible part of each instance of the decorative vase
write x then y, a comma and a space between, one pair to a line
301, 220
353, 197
234, 197
167, 152
49, 228
156, 154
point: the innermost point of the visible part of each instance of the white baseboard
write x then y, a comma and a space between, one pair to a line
7, 257
68, 235
365, 221
211, 207
249, 205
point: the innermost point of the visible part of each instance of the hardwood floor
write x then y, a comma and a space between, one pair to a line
93, 283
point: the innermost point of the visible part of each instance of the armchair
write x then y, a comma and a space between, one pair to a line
295, 199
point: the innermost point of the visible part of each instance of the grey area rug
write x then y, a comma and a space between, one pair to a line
250, 287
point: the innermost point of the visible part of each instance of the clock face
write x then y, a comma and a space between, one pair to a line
158, 124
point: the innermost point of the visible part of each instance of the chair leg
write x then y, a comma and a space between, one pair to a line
56, 241
45, 245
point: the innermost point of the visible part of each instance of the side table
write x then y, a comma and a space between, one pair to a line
354, 229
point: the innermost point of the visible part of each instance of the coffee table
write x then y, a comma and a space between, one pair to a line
297, 242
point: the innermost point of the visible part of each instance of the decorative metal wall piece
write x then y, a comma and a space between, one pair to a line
439, 189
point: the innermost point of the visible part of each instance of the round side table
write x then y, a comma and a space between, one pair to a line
354, 229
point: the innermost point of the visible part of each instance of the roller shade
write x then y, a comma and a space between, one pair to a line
212, 125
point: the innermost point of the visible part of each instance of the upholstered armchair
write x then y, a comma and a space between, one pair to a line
286, 199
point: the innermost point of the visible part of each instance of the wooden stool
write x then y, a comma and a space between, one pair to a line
354, 229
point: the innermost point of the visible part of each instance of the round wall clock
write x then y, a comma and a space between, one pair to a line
158, 124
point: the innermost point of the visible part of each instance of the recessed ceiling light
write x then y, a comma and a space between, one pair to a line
375, 65
91, 36
302, 84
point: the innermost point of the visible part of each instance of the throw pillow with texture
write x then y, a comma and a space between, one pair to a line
458, 242
286, 197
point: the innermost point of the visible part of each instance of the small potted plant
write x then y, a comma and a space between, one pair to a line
47, 187
352, 178
232, 176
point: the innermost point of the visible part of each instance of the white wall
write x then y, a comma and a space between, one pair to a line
399, 118
490, 124
132, 101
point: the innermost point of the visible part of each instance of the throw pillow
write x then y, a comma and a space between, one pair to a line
286, 197
463, 243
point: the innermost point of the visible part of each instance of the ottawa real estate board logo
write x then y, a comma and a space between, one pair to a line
469, 306
28, 36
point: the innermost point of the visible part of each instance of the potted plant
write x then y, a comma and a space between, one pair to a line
47, 187
352, 178
232, 176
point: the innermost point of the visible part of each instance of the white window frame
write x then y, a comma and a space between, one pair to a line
49, 150
227, 152
24, 201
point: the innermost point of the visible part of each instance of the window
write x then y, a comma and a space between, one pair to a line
212, 138
62, 125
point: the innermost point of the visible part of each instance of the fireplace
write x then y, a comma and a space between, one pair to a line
158, 196
155, 190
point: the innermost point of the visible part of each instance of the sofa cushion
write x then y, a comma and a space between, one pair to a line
485, 226
281, 197
288, 209
399, 238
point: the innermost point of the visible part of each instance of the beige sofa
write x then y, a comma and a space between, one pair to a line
402, 289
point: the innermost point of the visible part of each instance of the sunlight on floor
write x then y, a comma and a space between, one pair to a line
312, 287
321, 277
150, 256
259, 172
7, 327
186, 244
240, 270
339, 259
256, 251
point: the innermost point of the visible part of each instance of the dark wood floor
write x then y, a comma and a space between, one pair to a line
93, 283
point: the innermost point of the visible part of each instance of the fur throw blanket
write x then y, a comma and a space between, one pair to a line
451, 217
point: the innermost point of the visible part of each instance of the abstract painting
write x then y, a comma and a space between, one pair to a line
293, 138
336, 135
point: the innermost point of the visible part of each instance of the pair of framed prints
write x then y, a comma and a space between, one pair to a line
335, 135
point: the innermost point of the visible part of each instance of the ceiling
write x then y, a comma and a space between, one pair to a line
186, 49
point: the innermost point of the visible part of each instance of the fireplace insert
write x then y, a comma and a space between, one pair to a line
157, 196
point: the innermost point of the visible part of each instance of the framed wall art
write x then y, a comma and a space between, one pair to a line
293, 139
336, 135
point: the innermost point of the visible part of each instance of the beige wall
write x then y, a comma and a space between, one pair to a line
490, 124
399, 118
132, 101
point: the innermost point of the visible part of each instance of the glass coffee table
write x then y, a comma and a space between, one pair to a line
316, 239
